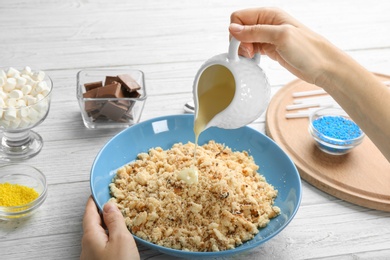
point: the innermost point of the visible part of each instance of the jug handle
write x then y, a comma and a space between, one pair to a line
233, 51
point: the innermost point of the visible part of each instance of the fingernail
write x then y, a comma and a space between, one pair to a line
109, 207
234, 27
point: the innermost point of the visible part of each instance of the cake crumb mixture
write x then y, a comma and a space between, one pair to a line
227, 206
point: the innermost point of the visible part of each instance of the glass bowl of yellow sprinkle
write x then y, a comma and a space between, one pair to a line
23, 189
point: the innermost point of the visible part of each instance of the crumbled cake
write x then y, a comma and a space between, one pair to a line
227, 206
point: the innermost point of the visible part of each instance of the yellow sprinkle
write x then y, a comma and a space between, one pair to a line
16, 195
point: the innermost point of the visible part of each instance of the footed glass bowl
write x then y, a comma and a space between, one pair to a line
18, 140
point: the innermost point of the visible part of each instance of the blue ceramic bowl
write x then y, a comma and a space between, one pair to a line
274, 164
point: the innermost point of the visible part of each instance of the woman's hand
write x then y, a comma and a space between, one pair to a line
97, 244
275, 33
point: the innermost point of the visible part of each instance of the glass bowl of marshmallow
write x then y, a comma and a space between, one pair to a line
24, 103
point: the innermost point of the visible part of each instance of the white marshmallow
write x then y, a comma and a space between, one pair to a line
12, 72
2, 103
27, 71
2, 92
9, 84
26, 89
4, 123
33, 115
41, 86
2, 81
41, 106
3, 95
14, 123
24, 111
30, 100
40, 97
38, 75
29, 81
21, 81
34, 92
24, 123
45, 92
3, 74
20, 103
10, 114
11, 102
16, 93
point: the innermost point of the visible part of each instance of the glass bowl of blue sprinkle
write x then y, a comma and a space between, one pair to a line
334, 131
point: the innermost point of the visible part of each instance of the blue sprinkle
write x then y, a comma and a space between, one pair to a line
337, 127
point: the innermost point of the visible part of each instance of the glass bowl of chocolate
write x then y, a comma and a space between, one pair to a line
111, 98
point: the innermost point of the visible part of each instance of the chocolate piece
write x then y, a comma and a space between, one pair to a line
124, 103
130, 111
91, 106
128, 83
134, 94
93, 85
110, 79
94, 114
90, 94
113, 111
129, 104
110, 91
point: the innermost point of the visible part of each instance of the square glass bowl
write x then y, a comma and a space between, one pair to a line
110, 111
334, 131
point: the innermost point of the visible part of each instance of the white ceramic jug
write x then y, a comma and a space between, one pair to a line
230, 91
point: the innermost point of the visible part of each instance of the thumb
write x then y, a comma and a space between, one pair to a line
113, 219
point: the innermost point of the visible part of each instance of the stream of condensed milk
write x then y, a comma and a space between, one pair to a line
216, 89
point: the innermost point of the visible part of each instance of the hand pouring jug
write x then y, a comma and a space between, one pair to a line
230, 91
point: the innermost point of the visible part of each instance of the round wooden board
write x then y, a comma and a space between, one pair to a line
361, 177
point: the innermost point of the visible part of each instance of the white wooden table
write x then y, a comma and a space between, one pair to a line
169, 40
